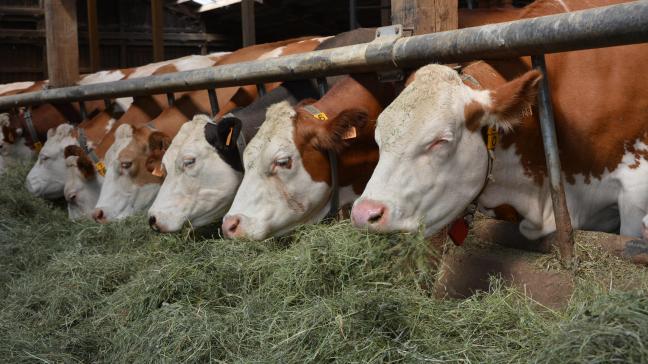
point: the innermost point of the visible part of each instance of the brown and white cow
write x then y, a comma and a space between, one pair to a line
434, 160
204, 168
134, 175
82, 186
287, 178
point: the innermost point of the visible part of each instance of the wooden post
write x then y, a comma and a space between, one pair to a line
93, 36
157, 11
384, 13
62, 42
247, 22
425, 16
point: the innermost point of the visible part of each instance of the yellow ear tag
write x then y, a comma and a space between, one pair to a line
38, 146
493, 137
229, 137
320, 116
101, 168
351, 133
157, 172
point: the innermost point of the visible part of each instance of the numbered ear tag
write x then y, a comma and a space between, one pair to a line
101, 168
351, 133
320, 116
157, 172
229, 137
38, 146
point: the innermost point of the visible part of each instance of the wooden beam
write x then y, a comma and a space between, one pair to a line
93, 36
62, 42
425, 16
157, 11
247, 22
385, 13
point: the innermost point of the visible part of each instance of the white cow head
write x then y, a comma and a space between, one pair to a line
433, 158
82, 183
131, 182
47, 177
12, 143
287, 174
199, 185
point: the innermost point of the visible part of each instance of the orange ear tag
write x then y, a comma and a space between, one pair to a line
101, 168
229, 137
38, 146
350, 134
320, 116
157, 172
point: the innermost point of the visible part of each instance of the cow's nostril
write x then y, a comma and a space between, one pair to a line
71, 198
376, 216
153, 223
231, 225
98, 215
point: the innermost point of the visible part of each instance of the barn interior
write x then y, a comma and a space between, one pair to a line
125, 31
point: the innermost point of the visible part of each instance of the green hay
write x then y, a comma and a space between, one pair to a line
79, 292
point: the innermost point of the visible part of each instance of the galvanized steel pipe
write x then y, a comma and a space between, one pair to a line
600, 27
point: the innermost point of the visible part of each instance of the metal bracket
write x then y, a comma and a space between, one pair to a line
213, 102
382, 47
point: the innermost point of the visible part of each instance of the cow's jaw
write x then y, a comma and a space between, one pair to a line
431, 167
272, 200
199, 186
47, 177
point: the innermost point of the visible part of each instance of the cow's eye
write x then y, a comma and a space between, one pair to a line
188, 162
126, 165
285, 163
436, 144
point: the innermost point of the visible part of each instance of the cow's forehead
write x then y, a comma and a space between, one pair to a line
432, 97
190, 139
276, 133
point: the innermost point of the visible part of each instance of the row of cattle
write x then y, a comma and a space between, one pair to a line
454, 136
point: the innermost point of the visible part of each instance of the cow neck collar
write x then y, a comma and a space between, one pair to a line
26, 118
458, 230
321, 116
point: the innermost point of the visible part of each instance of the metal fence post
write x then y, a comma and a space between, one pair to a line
213, 102
563, 237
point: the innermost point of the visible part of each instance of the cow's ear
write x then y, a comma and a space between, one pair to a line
86, 167
224, 134
50, 133
82, 162
73, 150
158, 142
344, 126
507, 104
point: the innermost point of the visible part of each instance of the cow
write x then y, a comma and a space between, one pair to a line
287, 178
434, 160
201, 181
135, 175
202, 175
83, 181
47, 177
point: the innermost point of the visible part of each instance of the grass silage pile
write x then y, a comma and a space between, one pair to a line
80, 292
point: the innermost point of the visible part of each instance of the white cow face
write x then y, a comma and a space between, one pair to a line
433, 159
12, 144
287, 175
198, 187
82, 184
47, 177
129, 185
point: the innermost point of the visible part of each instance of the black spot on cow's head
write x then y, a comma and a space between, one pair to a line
223, 137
